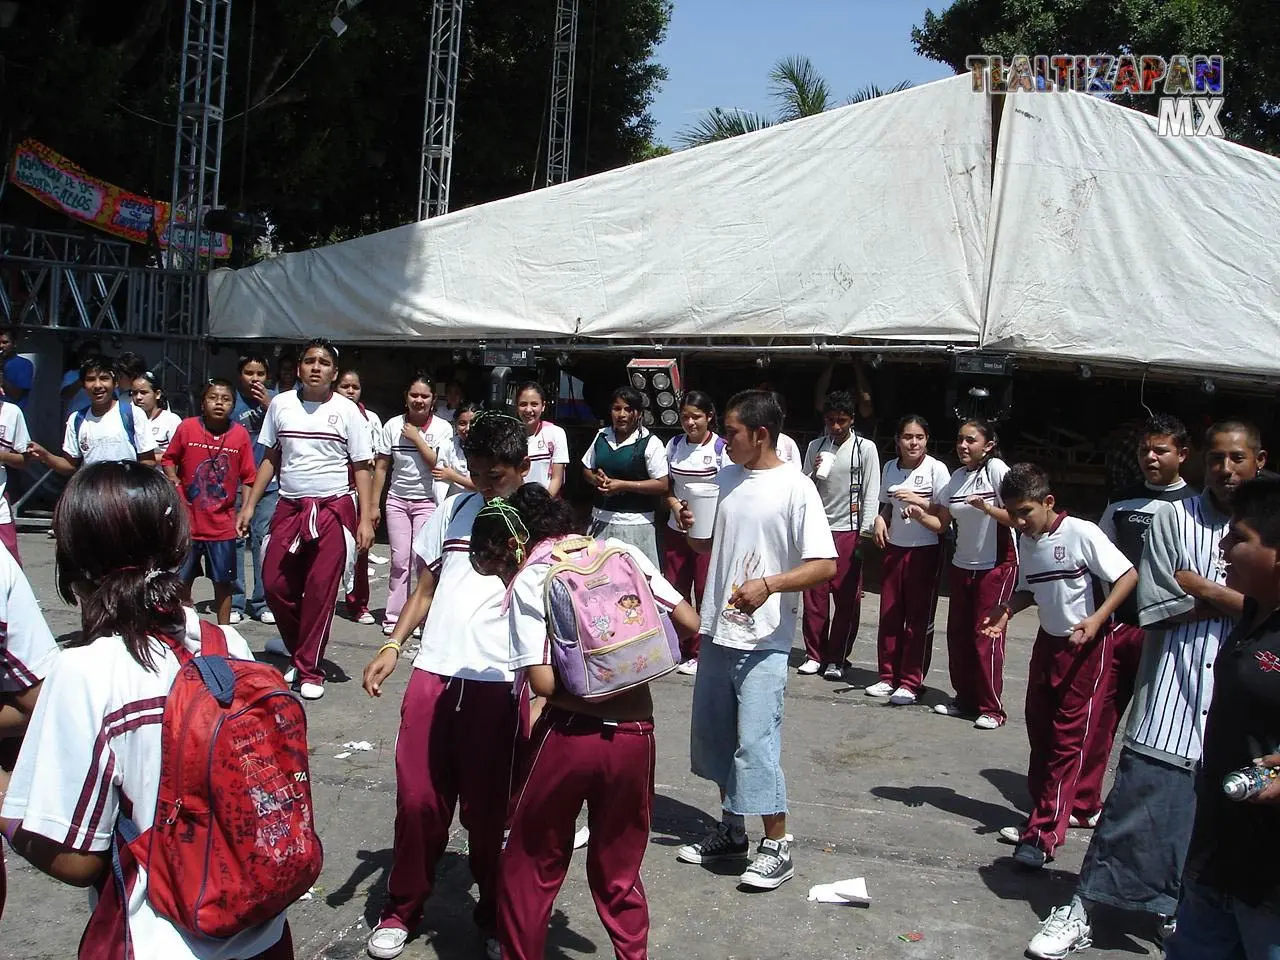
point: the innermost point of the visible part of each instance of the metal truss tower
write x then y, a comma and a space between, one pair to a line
197, 167
442, 102
564, 44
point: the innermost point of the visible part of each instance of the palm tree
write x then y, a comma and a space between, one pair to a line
795, 86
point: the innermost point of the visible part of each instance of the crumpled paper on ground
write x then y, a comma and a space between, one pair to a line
852, 892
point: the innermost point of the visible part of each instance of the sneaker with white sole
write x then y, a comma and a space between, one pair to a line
1010, 835
311, 691
988, 722
772, 866
1062, 933
366, 618
1088, 823
235, 617
276, 645
386, 943
902, 697
878, 689
291, 675
492, 949
388, 629
951, 709
715, 846
1030, 857
1168, 926
833, 672
808, 668
689, 668
581, 837
267, 617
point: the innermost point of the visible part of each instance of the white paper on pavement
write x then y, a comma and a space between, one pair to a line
852, 892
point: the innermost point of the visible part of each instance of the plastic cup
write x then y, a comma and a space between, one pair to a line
824, 464
703, 498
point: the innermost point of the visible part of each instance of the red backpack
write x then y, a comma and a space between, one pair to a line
233, 843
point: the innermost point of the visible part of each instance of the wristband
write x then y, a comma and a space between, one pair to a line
767, 590
389, 645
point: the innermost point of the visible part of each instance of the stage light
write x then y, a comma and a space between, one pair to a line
1208, 386
659, 384
1086, 371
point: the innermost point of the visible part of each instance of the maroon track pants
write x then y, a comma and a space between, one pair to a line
686, 570
1124, 655
976, 660
828, 638
575, 759
454, 749
908, 600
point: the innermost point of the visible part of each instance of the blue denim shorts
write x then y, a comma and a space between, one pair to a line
219, 561
736, 734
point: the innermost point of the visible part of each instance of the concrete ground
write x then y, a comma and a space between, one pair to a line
905, 798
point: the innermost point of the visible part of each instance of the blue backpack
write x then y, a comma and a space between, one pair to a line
125, 419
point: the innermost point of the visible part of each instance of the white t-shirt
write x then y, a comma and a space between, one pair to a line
465, 635
694, 463
788, 451
455, 457
981, 543
410, 476
1061, 568
655, 461
103, 438
530, 645
767, 522
316, 441
162, 426
27, 647
548, 446
851, 491
13, 439
927, 479
94, 736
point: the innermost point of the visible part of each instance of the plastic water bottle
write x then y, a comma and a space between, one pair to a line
1249, 782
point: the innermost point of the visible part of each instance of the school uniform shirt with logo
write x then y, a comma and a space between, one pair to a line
655, 461
694, 463
163, 424
549, 445
27, 647
788, 451
211, 468
465, 635
94, 743
1065, 569
13, 439
530, 643
1126, 522
103, 438
767, 522
410, 476
455, 458
927, 479
317, 440
851, 490
981, 542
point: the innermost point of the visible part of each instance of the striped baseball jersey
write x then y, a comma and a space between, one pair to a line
1064, 569
1126, 521
1175, 678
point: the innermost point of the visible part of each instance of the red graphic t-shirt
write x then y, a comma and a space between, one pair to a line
211, 467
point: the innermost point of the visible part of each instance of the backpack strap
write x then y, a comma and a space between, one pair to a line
79, 422
127, 420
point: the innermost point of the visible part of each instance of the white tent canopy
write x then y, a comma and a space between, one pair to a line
866, 221
1098, 241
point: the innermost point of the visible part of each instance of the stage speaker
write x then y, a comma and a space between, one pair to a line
981, 385
659, 384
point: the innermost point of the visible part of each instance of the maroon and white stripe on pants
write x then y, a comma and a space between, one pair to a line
1122, 676
307, 553
455, 748
1065, 689
977, 660
828, 638
686, 570
576, 758
9, 537
908, 599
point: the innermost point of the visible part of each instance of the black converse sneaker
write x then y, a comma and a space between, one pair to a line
715, 846
772, 866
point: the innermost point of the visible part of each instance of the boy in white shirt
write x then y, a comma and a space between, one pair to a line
1062, 562
770, 539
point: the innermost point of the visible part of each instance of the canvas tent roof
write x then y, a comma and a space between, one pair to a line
1096, 240
864, 221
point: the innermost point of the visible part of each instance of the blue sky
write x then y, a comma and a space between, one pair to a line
718, 52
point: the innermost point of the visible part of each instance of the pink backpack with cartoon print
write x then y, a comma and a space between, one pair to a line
606, 630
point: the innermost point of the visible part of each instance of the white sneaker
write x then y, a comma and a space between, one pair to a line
366, 618
492, 949
388, 629
808, 668
236, 617
1087, 824
417, 632
950, 709
833, 672
988, 722
1010, 835
580, 838
879, 689
1168, 927
276, 645
1062, 932
689, 668
311, 691
385, 943
266, 616
291, 675
902, 697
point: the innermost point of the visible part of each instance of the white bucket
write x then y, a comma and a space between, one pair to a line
702, 499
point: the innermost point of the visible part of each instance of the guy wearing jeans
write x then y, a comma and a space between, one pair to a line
252, 398
770, 542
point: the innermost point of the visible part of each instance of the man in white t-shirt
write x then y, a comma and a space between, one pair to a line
110, 429
14, 442
770, 542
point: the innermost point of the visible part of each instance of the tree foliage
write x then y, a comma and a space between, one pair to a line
1245, 32
331, 143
